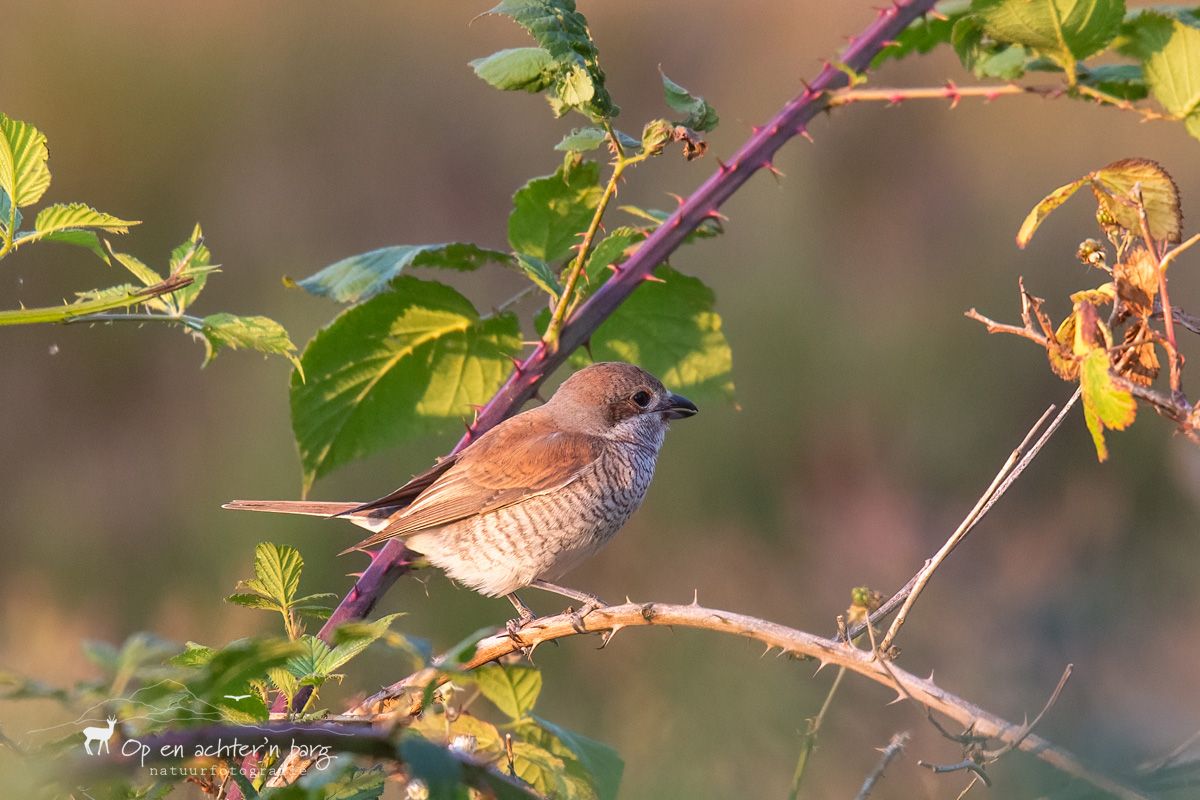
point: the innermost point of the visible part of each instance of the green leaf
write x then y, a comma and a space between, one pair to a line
85, 239
705, 230
700, 115
521, 69
254, 601
143, 273
314, 663
191, 259
924, 33
610, 251
984, 57
549, 214
356, 784
581, 140
277, 571
512, 688
540, 273
563, 32
255, 333
407, 362
1105, 405
671, 330
440, 771
6, 211
284, 681
231, 668
1127, 81
1063, 30
363, 276
193, 655
1170, 52
69, 216
602, 762
352, 638
24, 175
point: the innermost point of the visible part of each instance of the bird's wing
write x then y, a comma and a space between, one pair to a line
409, 491
523, 457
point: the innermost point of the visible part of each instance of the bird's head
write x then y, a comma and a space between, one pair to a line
613, 397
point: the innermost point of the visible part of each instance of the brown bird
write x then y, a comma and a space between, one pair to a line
535, 495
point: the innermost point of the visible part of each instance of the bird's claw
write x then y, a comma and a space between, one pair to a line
588, 607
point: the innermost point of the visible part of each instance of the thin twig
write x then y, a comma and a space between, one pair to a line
893, 749
1170, 758
1017, 461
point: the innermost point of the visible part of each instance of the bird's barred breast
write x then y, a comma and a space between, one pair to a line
545, 535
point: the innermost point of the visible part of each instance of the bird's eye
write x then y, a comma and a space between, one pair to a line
641, 399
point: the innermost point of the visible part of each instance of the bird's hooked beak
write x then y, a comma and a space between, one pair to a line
677, 407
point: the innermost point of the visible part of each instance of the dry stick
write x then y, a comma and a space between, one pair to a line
612, 619
894, 748
1012, 469
1017, 461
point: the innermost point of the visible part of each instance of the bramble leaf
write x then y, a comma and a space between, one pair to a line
563, 32
1042, 210
254, 333
523, 69
365, 275
985, 57
69, 223
700, 115
602, 763
24, 175
277, 571
549, 214
581, 140
1169, 49
191, 259
540, 273
924, 33
512, 688
1105, 405
406, 362
1062, 30
7, 212
1113, 186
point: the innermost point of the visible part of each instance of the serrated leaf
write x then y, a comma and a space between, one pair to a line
284, 681
601, 761
250, 710
540, 273
1126, 81
1063, 30
546, 772
581, 140
705, 230
512, 688
550, 214
24, 175
143, 273
563, 32
1043, 209
356, 784
254, 601
262, 334
7, 213
277, 571
700, 115
924, 33
231, 668
314, 663
1170, 52
407, 362
440, 771
671, 330
191, 259
365, 275
612, 250
352, 638
193, 655
986, 58
67, 216
85, 239
522, 69
1105, 405
1160, 197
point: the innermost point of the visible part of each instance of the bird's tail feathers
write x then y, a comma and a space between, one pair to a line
311, 509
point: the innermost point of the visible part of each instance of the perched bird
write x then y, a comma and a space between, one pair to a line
535, 495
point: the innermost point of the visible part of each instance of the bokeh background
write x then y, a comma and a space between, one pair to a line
869, 415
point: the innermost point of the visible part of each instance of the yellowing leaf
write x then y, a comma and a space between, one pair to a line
1141, 360
1101, 295
24, 175
1114, 185
1105, 405
1043, 209
1137, 280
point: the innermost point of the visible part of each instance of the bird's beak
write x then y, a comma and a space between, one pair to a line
677, 407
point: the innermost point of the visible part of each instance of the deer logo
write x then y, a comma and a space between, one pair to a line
99, 735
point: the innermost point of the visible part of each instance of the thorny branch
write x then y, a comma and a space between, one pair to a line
893, 749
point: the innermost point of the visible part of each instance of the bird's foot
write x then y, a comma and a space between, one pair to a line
588, 607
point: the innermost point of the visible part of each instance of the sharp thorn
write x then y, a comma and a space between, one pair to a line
652, 278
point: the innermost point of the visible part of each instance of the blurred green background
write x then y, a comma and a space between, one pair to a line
869, 416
